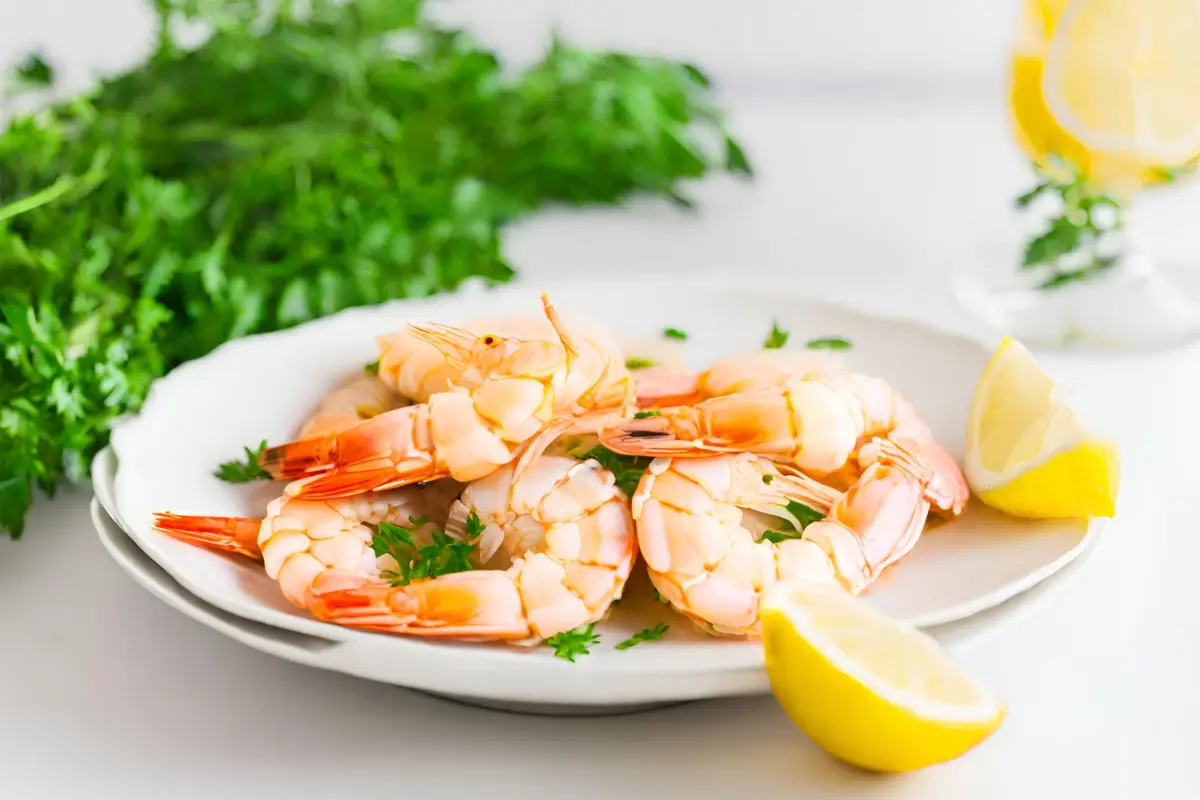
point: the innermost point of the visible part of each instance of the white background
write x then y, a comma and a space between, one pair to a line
884, 166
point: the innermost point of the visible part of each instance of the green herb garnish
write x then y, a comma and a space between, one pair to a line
627, 470
805, 515
660, 598
246, 470
372, 368
569, 644
442, 556
778, 536
638, 363
1086, 216
474, 526
647, 414
304, 158
35, 72
675, 333
777, 338
647, 635
831, 343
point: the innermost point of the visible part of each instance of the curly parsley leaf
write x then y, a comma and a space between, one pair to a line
647, 635
245, 470
569, 644
675, 333
777, 338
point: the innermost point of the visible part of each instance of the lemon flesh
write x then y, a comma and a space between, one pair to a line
1028, 453
869, 691
1110, 85
1124, 76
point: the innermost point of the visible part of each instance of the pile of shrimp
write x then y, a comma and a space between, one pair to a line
444, 492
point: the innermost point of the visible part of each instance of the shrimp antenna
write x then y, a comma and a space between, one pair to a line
560, 328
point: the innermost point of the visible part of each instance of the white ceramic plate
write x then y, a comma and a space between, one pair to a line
262, 387
357, 658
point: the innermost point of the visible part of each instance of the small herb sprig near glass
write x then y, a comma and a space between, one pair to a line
1077, 241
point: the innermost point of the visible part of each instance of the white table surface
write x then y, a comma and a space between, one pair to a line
105, 691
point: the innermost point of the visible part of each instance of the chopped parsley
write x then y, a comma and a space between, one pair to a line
569, 644
675, 333
245, 471
805, 515
648, 635
647, 414
372, 368
638, 363
660, 598
444, 555
474, 527
830, 343
777, 338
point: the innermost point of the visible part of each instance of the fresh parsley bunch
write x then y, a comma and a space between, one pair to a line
291, 165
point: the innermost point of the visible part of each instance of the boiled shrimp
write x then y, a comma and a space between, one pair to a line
556, 547
512, 395
816, 423
701, 525
421, 361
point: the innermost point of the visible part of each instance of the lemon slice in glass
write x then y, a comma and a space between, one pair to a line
1123, 76
868, 690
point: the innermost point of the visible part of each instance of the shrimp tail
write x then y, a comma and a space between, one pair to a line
358, 479
482, 604
298, 458
229, 534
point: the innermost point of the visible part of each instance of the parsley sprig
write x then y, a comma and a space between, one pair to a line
442, 556
572, 643
295, 163
1088, 216
245, 470
647, 635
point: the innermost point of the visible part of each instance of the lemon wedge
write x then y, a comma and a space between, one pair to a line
1028, 453
1123, 76
868, 690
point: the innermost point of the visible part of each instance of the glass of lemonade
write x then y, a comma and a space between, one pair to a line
1104, 97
